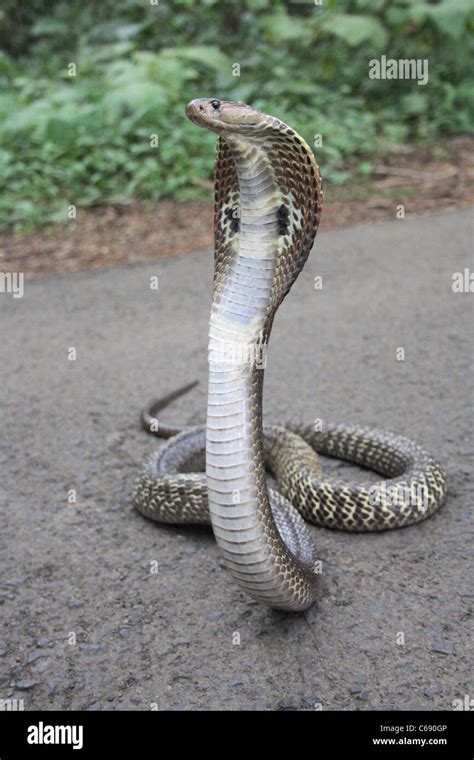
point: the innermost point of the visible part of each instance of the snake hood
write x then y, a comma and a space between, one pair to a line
268, 191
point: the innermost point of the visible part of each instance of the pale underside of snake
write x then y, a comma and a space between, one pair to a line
268, 202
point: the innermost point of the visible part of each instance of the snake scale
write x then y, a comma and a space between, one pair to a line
268, 200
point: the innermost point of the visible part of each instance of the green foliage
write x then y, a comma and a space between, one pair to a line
88, 139
357, 29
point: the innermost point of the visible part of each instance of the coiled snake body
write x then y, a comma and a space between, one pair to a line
267, 206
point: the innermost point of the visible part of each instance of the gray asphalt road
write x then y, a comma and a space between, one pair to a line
105, 610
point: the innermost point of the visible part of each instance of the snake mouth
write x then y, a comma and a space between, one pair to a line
195, 111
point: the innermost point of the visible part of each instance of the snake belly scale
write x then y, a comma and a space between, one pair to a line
268, 200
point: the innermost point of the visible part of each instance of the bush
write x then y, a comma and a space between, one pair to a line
89, 138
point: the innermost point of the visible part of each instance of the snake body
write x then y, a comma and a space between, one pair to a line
268, 200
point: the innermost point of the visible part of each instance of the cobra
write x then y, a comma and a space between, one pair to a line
268, 200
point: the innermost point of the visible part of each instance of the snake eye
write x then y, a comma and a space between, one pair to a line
216, 104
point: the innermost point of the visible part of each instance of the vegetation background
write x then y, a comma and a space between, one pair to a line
86, 138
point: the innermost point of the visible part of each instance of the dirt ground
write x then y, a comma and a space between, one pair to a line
105, 610
144, 231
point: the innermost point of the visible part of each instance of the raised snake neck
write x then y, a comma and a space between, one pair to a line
268, 204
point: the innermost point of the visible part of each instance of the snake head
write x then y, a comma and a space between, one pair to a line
227, 116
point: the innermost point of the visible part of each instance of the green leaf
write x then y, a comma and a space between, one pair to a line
117, 30
301, 87
28, 118
450, 16
356, 29
61, 133
48, 26
169, 72
6, 65
414, 104
208, 55
133, 99
279, 27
